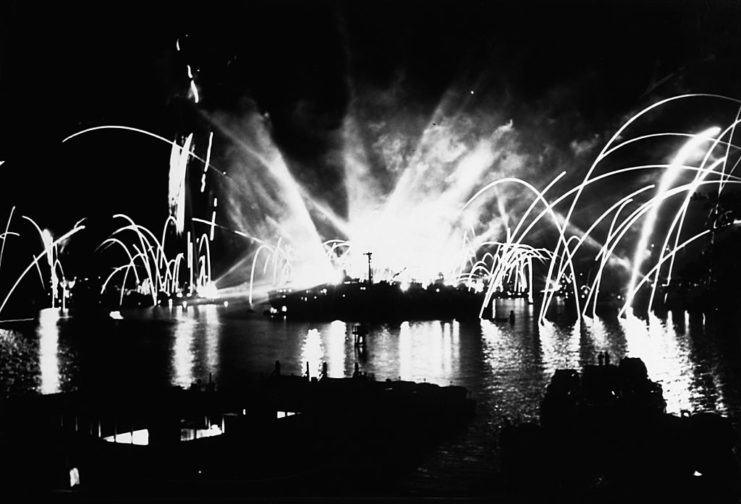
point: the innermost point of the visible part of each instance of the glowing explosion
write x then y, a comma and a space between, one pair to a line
448, 204
449, 201
460, 198
58, 286
452, 211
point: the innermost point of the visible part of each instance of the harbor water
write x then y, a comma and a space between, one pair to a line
505, 364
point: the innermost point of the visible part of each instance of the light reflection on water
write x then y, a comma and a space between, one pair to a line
183, 351
195, 348
312, 352
560, 347
212, 326
427, 352
48, 351
506, 366
336, 349
665, 354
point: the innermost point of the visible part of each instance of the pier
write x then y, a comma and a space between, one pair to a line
321, 436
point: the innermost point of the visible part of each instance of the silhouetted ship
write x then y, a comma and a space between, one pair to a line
363, 300
283, 435
353, 300
605, 436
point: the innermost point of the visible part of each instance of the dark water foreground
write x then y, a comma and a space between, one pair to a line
506, 367
281, 436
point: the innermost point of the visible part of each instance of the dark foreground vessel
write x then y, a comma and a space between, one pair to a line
353, 300
285, 436
604, 436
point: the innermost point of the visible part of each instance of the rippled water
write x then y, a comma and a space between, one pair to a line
505, 366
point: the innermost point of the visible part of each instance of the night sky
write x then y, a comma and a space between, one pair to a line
563, 72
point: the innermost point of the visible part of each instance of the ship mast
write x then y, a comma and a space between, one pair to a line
370, 271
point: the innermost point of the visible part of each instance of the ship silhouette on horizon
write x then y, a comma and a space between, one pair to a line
356, 299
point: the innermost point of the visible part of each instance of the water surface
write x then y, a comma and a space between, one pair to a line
505, 366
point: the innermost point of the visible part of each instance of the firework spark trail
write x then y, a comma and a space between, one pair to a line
173, 144
204, 270
178, 169
207, 163
669, 177
51, 254
78, 227
149, 280
110, 241
172, 276
565, 259
457, 269
156, 254
533, 204
46, 240
480, 242
603, 258
549, 207
252, 271
193, 89
510, 261
147, 248
728, 145
430, 221
112, 274
161, 259
613, 240
559, 223
584, 236
126, 268
180, 155
616, 234
678, 221
212, 225
148, 241
6, 233
700, 175
660, 263
162, 274
602, 155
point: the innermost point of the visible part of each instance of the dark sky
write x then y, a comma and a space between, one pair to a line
306, 63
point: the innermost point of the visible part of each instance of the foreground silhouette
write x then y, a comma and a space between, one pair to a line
604, 436
290, 436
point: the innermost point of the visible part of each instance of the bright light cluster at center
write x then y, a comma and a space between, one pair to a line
416, 244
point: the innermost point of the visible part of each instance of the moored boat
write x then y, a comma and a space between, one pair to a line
604, 434
283, 435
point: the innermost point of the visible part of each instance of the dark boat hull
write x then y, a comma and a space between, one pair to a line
377, 302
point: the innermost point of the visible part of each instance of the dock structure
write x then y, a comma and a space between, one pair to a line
241, 440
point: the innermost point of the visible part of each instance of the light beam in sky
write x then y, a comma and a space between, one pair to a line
448, 203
